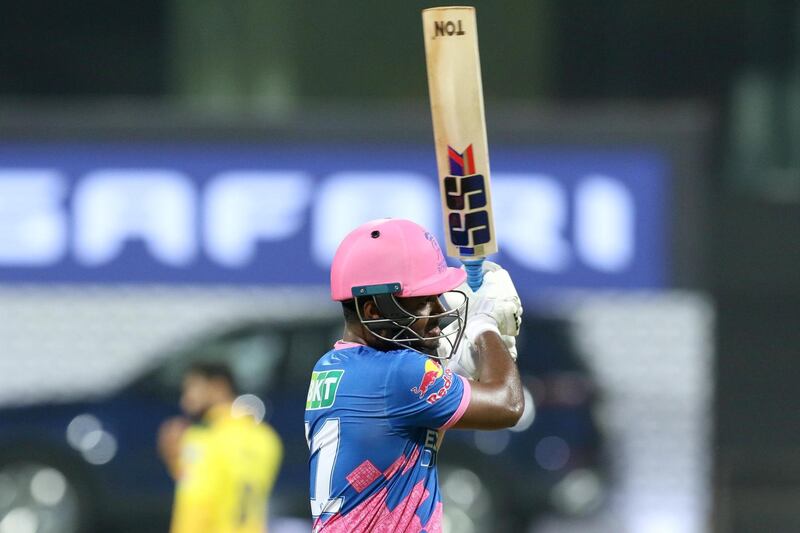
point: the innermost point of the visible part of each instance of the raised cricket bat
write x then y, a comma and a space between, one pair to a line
459, 131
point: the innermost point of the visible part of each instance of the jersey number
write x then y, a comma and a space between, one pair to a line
325, 443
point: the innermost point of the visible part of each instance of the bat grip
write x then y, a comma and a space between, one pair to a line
474, 270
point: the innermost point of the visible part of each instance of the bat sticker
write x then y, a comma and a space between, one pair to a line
465, 191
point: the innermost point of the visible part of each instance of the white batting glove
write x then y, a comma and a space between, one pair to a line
464, 361
511, 343
506, 306
495, 306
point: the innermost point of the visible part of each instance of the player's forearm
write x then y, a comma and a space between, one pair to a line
498, 372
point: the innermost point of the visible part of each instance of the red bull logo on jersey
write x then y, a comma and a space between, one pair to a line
439, 394
433, 371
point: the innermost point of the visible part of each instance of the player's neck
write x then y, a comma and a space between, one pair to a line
360, 334
352, 337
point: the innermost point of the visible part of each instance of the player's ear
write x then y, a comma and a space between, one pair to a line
438, 305
370, 310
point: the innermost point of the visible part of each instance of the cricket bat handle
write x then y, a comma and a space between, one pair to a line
474, 270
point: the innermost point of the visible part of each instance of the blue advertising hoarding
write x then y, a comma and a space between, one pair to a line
274, 213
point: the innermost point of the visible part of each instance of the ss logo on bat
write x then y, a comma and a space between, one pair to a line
467, 203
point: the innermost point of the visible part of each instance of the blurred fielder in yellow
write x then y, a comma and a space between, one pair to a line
224, 464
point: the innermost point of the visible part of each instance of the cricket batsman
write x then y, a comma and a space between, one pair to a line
381, 399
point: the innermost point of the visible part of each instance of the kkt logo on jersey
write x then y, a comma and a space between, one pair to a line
433, 371
467, 201
322, 391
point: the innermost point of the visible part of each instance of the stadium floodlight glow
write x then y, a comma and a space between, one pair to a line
552, 453
48, 486
20, 520
249, 405
81, 426
492, 442
100, 447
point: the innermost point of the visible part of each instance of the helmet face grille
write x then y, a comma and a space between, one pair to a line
395, 325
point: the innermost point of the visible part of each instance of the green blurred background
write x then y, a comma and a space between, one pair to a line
271, 59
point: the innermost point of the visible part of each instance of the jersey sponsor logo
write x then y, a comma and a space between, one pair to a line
433, 371
439, 394
322, 391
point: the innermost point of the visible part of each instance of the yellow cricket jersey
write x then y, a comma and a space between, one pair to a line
226, 472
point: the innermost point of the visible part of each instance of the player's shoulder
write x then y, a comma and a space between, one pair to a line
407, 354
359, 358
404, 358
197, 432
359, 370
339, 354
409, 365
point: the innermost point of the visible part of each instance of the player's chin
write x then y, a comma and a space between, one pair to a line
429, 347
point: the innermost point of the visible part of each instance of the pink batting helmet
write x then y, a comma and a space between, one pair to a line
391, 255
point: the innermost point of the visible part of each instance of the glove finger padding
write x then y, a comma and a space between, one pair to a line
506, 306
497, 285
511, 343
506, 315
490, 266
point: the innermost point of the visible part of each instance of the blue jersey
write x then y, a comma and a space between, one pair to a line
373, 424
